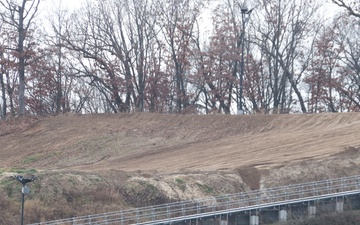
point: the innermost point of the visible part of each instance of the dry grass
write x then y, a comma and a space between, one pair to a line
12, 125
80, 160
78, 194
57, 195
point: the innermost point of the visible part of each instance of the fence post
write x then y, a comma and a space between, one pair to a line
313, 189
242, 200
213, 205
302, 191
106, 219
228, 202
137, 215
122, 218
183, 209
153, 213
287, 193
167, 211
89, 219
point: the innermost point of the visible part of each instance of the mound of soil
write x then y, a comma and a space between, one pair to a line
161, 158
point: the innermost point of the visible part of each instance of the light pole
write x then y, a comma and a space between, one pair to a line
245, 15
25, 190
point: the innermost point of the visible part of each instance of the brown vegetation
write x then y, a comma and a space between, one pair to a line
164, 58
106, 162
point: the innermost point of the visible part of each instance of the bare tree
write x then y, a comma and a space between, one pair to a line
2, 73
348, 82
322, 76
219, 61
92, 38
178, 23
59, 59
20, 17
286, 38
352, 7
8, 69
139, 36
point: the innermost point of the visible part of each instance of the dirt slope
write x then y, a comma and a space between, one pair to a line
100, 163
178, 143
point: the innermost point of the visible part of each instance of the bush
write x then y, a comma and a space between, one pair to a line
141, 193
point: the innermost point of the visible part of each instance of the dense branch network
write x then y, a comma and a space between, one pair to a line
175, 57
351, 10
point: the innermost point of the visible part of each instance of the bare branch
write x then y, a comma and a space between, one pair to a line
35, 5
350, 9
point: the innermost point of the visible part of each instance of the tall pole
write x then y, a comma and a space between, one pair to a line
22, 204
21, 67
240, 104
245, 14
240, 110
24, 190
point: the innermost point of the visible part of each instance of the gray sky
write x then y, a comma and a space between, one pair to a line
71, 4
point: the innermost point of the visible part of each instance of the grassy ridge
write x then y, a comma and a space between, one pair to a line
58, 195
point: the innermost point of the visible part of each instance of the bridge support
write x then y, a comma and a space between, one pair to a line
339, 207
282, 215
254, 220
223, 222
311, 211
239, 219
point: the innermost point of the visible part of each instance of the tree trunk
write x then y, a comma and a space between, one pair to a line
3, 93
21, 68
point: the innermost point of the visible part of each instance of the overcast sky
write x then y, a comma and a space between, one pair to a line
68, 3
73, 4
48, 6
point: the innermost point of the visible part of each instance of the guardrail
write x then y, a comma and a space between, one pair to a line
244, 201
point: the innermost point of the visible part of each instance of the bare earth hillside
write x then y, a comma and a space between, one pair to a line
173, 143
187, 156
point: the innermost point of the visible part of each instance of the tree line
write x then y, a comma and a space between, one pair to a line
171, 56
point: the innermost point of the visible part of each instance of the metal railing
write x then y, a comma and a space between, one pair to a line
244, 201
